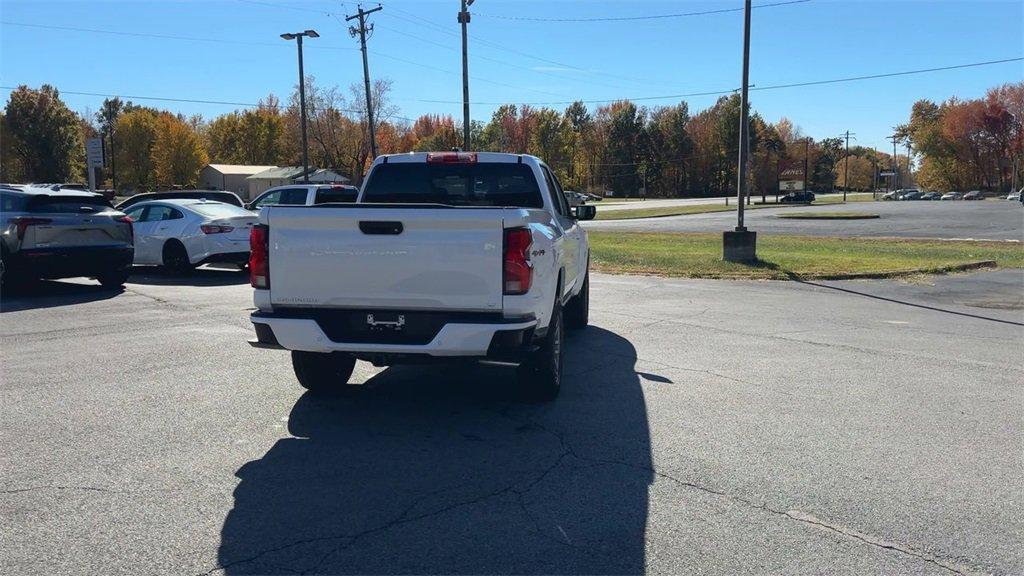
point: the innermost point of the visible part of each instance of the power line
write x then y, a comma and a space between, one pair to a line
754, 88
888, 75
150, 35
633, 18
502, 62
416, 19
435, 68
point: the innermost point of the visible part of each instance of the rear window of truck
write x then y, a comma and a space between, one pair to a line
478, 184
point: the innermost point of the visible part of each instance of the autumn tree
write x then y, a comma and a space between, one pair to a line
136, 133
177, 152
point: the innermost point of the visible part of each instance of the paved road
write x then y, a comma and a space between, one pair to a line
989, 220
610, 205
710, 427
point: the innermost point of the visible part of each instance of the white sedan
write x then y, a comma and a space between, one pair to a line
181, 234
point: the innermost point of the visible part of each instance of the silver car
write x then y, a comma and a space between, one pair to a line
47, 233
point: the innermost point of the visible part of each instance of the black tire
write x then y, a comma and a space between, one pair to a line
12, 279
577, 311
5, 273
324, 373
540, 376
114, 279
175, 258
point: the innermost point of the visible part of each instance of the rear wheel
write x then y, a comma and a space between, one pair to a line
176, 258
114, 278
540, 376
577, 311
324, 373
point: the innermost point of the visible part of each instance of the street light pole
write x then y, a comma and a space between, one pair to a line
302, 98
740, 245
464, 18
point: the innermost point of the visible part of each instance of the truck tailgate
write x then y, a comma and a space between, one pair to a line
406, 258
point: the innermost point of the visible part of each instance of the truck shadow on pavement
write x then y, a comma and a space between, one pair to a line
202, 276
51, 294
441, 470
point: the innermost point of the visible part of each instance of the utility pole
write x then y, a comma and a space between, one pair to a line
740, 245
846, 165
361, 31
874, 172
298, 36
910, 175
895, 163
464, 20
113, 162
807, 154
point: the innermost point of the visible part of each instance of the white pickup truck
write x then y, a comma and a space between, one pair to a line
445, 255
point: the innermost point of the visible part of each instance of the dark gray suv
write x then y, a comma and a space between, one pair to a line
48, 233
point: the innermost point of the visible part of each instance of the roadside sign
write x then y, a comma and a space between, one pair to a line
790, 185
887, 173
790, 170
94, 152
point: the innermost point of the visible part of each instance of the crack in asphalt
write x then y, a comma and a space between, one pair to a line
795, 515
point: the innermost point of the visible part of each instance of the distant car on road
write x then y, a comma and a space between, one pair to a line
952, 196
799, 196
180, 233
47, 233
974, 195
593, 197
576, 198
304, 195
912, 195
211, 195
930, 196
1015, 195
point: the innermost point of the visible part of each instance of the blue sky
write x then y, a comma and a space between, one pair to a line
416, 45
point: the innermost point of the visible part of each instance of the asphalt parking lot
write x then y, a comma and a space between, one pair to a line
708, 427
987, 220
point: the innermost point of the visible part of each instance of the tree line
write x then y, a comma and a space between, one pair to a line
662, 151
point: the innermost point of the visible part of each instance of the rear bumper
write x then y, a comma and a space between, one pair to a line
499, 339
77, 261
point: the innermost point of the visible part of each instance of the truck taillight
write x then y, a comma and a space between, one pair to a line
24, 222
259, 256
517, 272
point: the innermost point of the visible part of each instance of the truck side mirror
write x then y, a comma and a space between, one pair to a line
585, 212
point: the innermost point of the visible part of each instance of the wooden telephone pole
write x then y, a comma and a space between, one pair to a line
361, 31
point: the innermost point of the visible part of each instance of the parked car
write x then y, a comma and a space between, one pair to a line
180, 234
952, 196
930, 196
211, 195
912, 195
1015, 195
798, 196
493, 267
974, 195
593, 197
304, 195
46, 233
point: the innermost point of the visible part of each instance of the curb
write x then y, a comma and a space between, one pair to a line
965, 267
